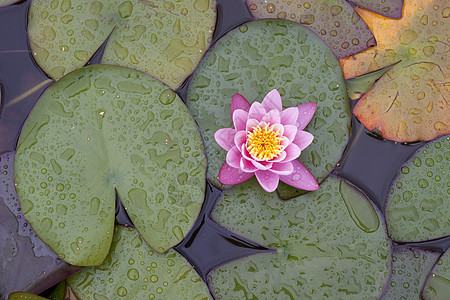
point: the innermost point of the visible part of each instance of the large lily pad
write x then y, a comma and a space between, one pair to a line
390, 9
418, 208
165, 39
330, 243
99, 129
410, 268
334, 21
410, 102
258, 57
132, 270
437, 286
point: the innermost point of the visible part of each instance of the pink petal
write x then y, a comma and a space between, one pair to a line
230, 176
239, 102
250, 124
245, 153
279, 158
303, 139
234, 157
256, 111
305, 114
279, 128
261, 165
247, 166
272, 101
225, 138
239, 139
289, 116
300, 178
290, 132
268, 180
292, 152
272, 117
239, 119
282, 168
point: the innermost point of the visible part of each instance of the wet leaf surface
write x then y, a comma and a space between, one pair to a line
438, 283
418, 208
133, 270
166, 39
253, 60
101, 129
322, 247
24, 296
410, 268
390, 9
334, 21
410, 102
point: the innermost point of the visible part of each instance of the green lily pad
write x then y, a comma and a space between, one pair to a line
330, 243
24, 296
258, 57
165, 39
390, 9
134, 271
437, 286
7, 2
99, 129
334, 21
417, 208
59, 293
410, 268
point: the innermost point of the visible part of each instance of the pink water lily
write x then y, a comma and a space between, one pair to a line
266, 142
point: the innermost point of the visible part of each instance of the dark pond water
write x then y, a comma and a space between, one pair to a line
369, 162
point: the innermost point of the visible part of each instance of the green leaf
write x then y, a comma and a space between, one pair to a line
321, 248
59, 292
24, 296
258, 57
438, 284
99, 129
418, 206
164, 39
132, 270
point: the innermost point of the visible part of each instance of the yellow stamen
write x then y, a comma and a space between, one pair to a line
264, 143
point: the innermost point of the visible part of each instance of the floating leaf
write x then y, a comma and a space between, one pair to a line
410, 102
258, 57
390, 9
334, 21
323, 250
418, 208
99, 129
410, 268
134, 271
24, 296
438, 283
7, 2
59, 292
165, 39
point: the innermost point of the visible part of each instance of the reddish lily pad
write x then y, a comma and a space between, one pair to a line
164, 39
390, 9
410, 102
334, 21
437, 286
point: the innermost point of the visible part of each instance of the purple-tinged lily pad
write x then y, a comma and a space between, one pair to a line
102, 129
437, 286
330, 243
410, 268
418, 207
334, 21
390, 9
134, 271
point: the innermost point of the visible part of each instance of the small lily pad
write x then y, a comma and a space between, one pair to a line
322, 249
418, 208
258, 57
410, 102
134, 271
390, 9
334, 21
164, 39
97, 130
24, 296
438, 284
410, 268
7, 2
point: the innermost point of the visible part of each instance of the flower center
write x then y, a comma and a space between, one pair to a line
264, 143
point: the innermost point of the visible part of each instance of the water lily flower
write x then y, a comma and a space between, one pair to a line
266, 142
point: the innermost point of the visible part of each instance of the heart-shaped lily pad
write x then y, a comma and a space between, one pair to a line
410, 268
330, 243
99, 129
132, 270
24, 296
258, 57
7, 2
390, 9
418, 208
164, 38
438, 283
334, 21
410, 102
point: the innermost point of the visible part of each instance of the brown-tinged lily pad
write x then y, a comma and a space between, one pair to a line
390, 9
410, 102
